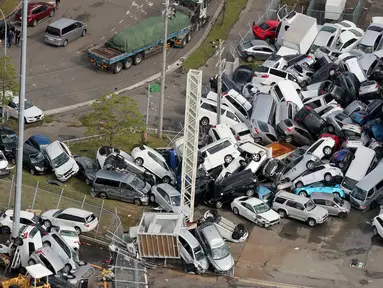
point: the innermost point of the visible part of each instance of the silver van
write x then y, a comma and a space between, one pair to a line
285, 110
335, 205
364, 161
368, 192
300, 208
121, 186
262, 119
192, 253
63, 31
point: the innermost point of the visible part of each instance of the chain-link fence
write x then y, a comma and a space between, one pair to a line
42, 196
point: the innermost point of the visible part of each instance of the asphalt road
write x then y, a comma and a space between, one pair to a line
58, 76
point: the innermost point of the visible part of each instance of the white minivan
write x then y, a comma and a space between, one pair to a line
61, 160
285, 91
208, 114
220, 152
220, 131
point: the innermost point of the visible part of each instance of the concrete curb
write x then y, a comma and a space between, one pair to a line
171, 68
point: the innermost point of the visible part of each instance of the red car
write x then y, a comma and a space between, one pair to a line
266, 31
37, 11
333, 137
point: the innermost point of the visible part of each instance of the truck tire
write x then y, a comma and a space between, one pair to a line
189, 37
128, 63
137, 59
117, 67
184, 42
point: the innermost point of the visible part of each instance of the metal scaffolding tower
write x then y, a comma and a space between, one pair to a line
190, 146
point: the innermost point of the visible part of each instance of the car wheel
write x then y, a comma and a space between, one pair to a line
311, 222
205, 121
282, 213
342, 215
34, 23
52, 13
137, 202
65, 43
303, 83
67, 268
243, 163
218, 205
166, 180
32, 171
327, 177
289, 139
139, 161
5, 230
257, 140
103, 195
327, 150
137, 59
256, 157
47, 223
337, 194
228, 159
47, 243
117, 67
332, 72
78, 230
331, 129
83, 33
299, 184
249, 59
235, 211
128, 63
152, 198
375, 230
31, 262
189, 37
249, 193
87, 182
310, 165
303, 193
341, 165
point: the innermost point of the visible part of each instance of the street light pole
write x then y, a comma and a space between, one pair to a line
162, 97
5, 61
20, 138
221, 65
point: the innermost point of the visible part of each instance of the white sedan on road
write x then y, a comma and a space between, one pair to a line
31, 112
325, 172
255, 210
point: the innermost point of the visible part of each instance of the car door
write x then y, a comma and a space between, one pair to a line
316, 174
63, 220
78, 30
331, 207
379, 227
157, 165
38, 13
257, 52
163, 200
304, 136
293, 212
248, 211
127, 192
26, 161
45, 11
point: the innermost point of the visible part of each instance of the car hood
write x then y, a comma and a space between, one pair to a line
224, 264
309, 94
32, 112
319, 212
65, 167
3, 164
49, 213
270, 215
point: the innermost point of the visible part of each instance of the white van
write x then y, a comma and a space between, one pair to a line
208, 114
218, 153
364, 161
270, 76
61, 160
351, 63
220, 131
284, 91
242, 133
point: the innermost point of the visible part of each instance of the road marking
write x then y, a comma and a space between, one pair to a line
112, 29
127, 12
103, 38
121, 21
268, 283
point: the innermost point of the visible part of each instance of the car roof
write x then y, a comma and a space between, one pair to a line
252, 201
291, 196
257, 42
240, 127
113, 175
169, 189
41, 139
23, 213
62, 23
370, 36
322, 195
54, 259
77, 212
184, 233
272, 22
54, 149
29, 149
212, 235
322, 38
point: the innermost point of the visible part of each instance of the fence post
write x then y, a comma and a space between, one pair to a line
10, 191
58, 202
99, 218
83, 202
34, 197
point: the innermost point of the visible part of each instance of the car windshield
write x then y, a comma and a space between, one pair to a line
358, 193
68, 233
274, 57
310, 205
338, 200
175, 200
375, 28
261, 208
220, 252
242, 76
60, 160
349, 183
365, 48
9, 138
138, 183
92, 165
246, 45
353, 134
313, 48
28, 104
36, 158
328, 29
199, 254
57, 213
264, 26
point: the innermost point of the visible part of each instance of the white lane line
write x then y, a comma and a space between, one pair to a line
127, 12
121, 21
103, 38
112, 29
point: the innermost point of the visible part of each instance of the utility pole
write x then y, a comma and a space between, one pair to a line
164, 47
221, 66
5, 62
20, 138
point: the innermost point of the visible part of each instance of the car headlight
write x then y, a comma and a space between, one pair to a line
39, 168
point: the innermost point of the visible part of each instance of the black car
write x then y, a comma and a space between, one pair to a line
8, 143
342, 159
235, 185
375, 109
34, 161
324, 73
348, 82
243, 75
87, 169
310, 119
227, 83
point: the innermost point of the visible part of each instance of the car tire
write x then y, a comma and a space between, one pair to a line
139, 161
117, 67
228, 159
337, 194
52, 13
103, 195
31, 262
137, 202
128, 63
32, 171
342, 215
83, 33
331, 128
256, 157
375, 230
218, 205
47, 243
235, 211
137, 59
78, 230
302, 193
205, 121
47, 223
152, 198
268, 40
331, 72
341, 165
311, 222
289, 139
327, 150
327, 177
303, 83
67, 268
299, 184
310, 165
250, 193
249, 59
34, 23
282, 213
5, 230
65, 43
87, 182
166, 180
189, 37
184, 42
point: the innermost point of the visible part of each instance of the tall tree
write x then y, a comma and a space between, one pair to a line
9, 84
113, 115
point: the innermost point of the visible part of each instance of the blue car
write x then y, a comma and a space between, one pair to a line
342, 159
374, 129
264, 194
360, 117
39, 141
320, 187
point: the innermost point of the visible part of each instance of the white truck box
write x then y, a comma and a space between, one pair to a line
334, 9
301, 34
